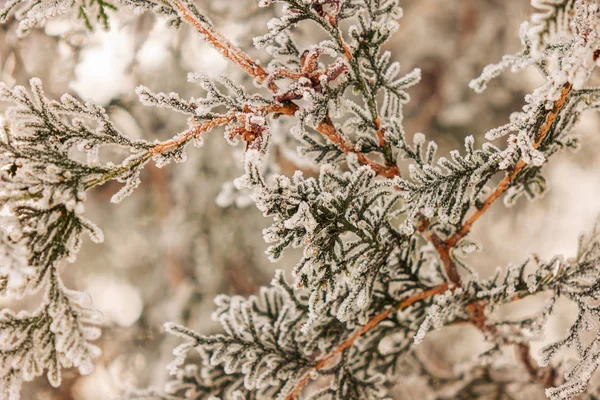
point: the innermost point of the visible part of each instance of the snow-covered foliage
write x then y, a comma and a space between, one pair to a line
575, 279
34, 13
447, 187
267, 347
382, 225
342, 222
550, 22
43, 190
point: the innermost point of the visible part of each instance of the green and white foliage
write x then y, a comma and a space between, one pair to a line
367, 286
551, 22
31, 14
575, 279
265, 350
443, 188
447, 307
358, 64
39, 138
48, 159
565, 58
578, 281
57, 335
342, 222
377, 21
260, 346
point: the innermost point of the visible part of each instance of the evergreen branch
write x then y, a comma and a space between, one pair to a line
182, 139
224, 46
373, 322
325, 127
546, 376
361, 82
444, 247
508, 179
513, 291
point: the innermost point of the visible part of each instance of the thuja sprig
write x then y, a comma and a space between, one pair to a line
445, 246
325, 126
506, 182
34, 13
372, 323
383, 255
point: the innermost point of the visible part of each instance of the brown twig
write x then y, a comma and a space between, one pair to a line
349, 342
191, 133
224, 46
508, 179
544, 376
327, 129
347, 53
373, 109
444, 252
286, 109
233, 53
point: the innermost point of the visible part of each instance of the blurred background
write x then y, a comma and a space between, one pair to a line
170, 248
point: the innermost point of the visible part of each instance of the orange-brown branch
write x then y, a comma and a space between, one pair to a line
443, 251
508, 179
287, 109
191, 133
327, 129
449, 266
233, 53
544, 376
224, 46
373, 322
